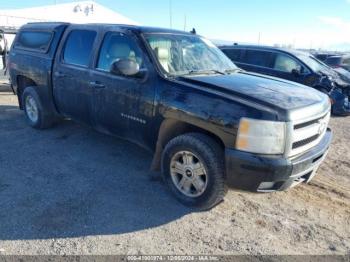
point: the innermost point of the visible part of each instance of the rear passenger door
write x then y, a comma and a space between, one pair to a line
71, 74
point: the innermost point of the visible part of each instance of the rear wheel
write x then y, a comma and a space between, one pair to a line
31, 109
36, 115
193, 169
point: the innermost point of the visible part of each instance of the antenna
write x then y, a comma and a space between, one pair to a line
171, 13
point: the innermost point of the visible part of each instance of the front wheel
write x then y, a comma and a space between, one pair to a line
193, 169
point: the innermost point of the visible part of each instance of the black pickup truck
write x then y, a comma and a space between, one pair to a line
208, 124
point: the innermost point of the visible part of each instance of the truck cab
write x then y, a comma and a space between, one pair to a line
207, 123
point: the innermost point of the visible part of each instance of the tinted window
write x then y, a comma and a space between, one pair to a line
79, 47
321, 57
286, 64
258, 58
333, 61
233, 54
117, 46
34, 40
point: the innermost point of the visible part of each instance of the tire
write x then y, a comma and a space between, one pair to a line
207, 159
36, 115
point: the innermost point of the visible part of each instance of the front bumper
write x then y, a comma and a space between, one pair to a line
268, 173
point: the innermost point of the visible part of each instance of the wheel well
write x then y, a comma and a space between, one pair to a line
22, 83
320, 88
170, 129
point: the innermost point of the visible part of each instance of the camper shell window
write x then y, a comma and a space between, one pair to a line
34, 40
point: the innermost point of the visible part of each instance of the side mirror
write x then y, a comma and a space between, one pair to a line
296, 72
125, 67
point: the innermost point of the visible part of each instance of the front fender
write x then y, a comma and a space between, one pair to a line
226, 132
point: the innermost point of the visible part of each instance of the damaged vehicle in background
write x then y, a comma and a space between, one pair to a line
337, 61
295, 66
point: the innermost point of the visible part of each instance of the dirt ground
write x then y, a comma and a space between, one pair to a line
70, 190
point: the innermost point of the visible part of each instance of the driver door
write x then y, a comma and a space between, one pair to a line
122, 105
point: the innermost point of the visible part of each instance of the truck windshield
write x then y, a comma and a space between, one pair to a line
188, 55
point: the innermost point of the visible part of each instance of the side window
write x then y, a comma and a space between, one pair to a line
78, 47
258, 58
167, 55
117, 46
34, 40
286, 64
233, 54
346, 61
333, 61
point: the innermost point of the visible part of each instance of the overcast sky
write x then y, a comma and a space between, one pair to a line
308, 23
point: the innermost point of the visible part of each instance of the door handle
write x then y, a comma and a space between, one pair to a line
97, 85
59, 74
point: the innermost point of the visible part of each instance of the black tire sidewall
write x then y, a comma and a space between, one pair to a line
205, 200
32, 93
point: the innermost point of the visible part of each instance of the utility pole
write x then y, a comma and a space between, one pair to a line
185, 22
171, 13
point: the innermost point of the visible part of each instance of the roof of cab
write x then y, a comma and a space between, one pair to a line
266, 48
43, 25
142, 29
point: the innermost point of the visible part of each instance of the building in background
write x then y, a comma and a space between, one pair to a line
75, 12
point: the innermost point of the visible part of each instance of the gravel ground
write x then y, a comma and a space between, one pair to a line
71, 190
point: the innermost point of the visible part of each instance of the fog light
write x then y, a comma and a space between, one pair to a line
266, 186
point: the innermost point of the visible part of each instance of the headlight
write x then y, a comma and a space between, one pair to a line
261, 137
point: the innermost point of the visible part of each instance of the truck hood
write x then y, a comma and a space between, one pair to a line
268, 91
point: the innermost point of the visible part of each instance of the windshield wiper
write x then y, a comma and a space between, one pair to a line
234, 70
207, 71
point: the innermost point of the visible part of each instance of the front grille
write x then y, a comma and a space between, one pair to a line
305, 141
306, 135
298, 126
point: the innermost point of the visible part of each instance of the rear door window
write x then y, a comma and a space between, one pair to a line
258, 58
233, 54
79, 47
39, 40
